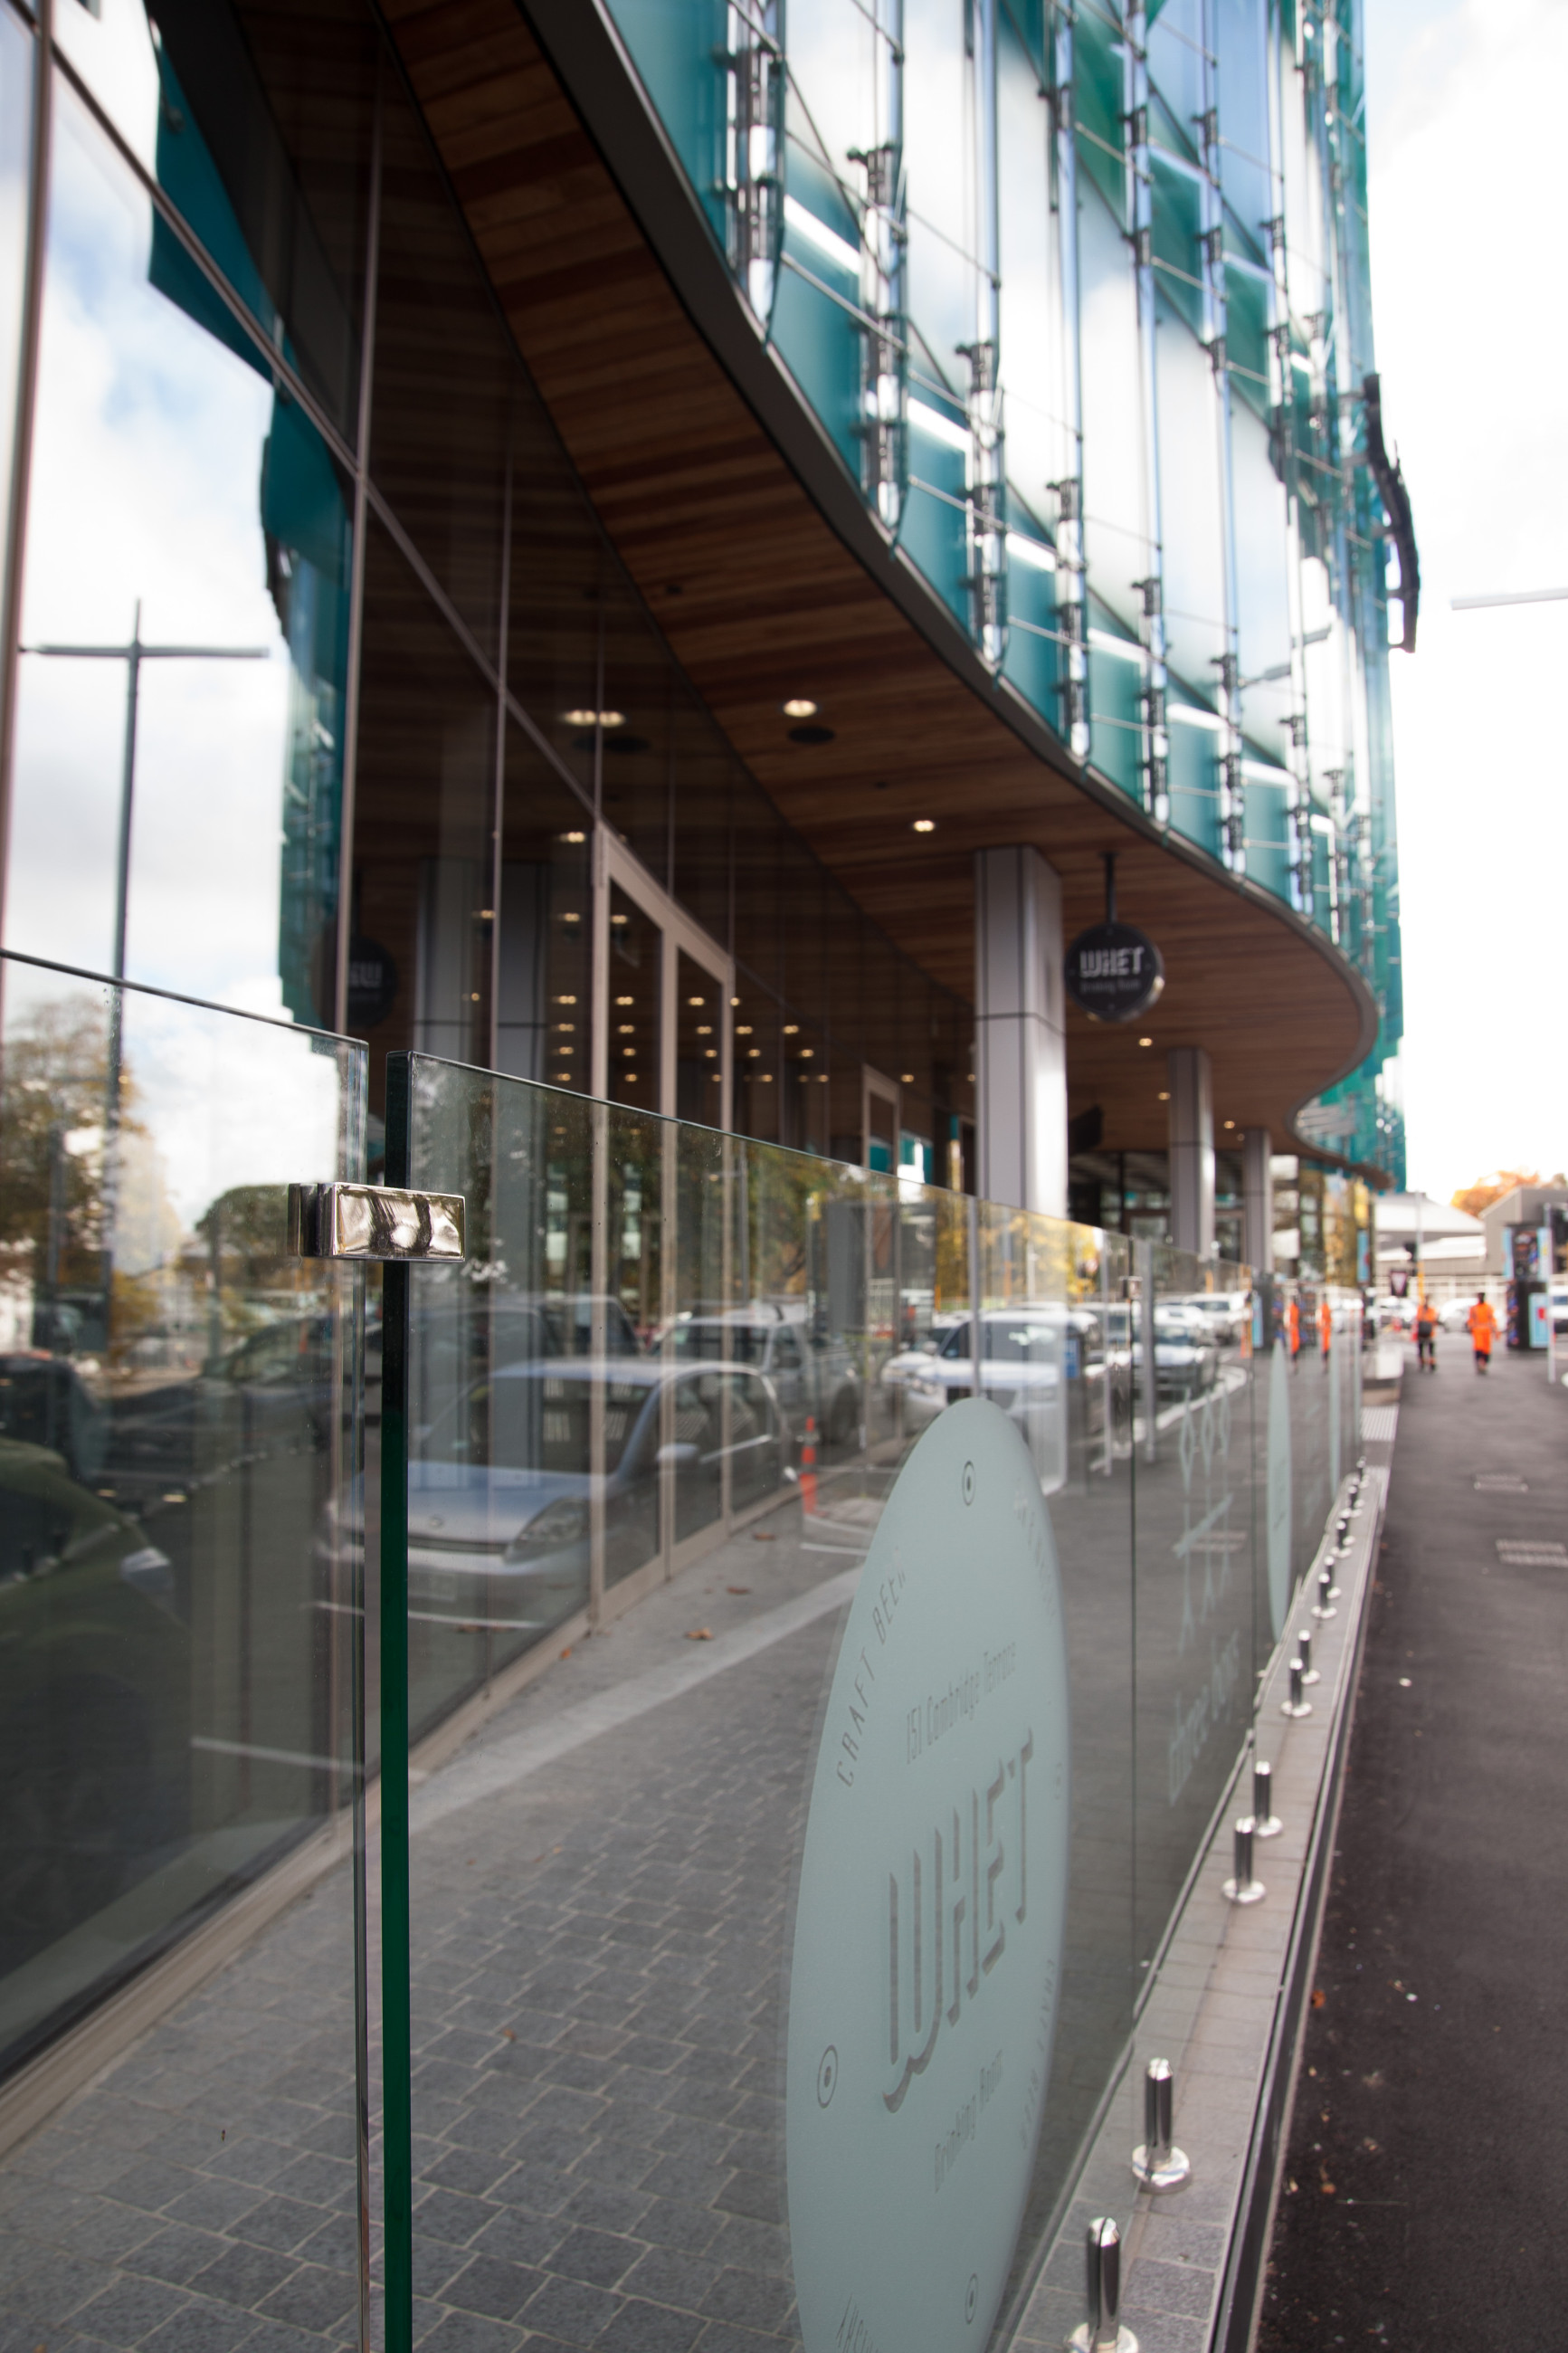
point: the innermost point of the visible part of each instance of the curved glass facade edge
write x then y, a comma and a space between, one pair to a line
1080, 298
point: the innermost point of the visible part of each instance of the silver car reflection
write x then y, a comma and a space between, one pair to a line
501, 1488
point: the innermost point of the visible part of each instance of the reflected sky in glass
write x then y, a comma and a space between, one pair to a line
159, 451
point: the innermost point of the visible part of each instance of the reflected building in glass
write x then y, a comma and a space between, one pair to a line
567, 539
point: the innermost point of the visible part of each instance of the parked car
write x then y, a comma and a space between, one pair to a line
500, 1488
1224, 1315
44, 1401
813, 1377
1186, 1354
1023, 1363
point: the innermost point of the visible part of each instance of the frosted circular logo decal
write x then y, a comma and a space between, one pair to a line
928, 1938
1279, 1501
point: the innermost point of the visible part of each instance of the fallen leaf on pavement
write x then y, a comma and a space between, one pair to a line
701, 1634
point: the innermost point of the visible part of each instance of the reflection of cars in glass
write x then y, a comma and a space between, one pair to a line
94, 1703
1224, 1315
1186, 1356
44, 1401
811, 1376
500, 1490
1022, 1365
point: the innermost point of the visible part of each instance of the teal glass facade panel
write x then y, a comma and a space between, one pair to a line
1184, 365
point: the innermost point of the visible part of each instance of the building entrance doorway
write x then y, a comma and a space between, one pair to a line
663, 997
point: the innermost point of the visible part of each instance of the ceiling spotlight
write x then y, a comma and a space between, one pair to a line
626, 1000
908, 1080
594, 718
800, 706
620, 919
573, 837
1230, 1123
925, 825
571, 918
694, 1000
1145, 1041
792, 1029
1164, 1097
565, 1000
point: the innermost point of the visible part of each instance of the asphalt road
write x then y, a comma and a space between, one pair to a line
1428, 2153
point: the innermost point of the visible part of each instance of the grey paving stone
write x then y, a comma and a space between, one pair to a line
570, 2309
517, 2237
650, 2328
203, 2327
130, 2310
489, 2285
468, 2332
175, 2253
600, 2257
444, 2214
243, 2275
664, 2275
749, 2299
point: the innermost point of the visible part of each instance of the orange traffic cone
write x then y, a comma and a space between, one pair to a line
808, 1465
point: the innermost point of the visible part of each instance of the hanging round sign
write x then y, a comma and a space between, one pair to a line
929, 1922
1114, 972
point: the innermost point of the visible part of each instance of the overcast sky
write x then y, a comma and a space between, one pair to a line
1464, 108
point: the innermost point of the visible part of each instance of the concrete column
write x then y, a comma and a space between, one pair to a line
1257, 1199
1020, 1065
1192, 1150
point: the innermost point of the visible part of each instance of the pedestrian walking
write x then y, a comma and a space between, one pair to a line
1426, 1337
1482, 1324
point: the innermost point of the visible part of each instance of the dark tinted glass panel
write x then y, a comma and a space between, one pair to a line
637, 955
543, 996
637, 730
423, 879
557, 560
699, 1012
757, 1095
705, 785
447, 382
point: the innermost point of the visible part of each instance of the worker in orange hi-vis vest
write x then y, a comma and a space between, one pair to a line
1482, 1326
1325, 1328
1293, 1326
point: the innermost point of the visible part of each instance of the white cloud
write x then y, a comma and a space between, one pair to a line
1472, 342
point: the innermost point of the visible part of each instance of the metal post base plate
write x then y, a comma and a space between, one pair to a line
1249, 1890
1174, 2168
1295, 1708
1270, 1829
1083, 2341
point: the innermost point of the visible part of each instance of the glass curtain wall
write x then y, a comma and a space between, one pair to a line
667, 1402
182, 1728
695, 1388
1079, 295
325, 727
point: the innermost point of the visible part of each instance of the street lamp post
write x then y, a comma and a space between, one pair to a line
133, 655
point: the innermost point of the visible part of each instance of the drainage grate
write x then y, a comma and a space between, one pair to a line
1531, 1555
1500, 1482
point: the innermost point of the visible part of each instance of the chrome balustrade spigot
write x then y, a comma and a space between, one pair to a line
1323, 1607
1157, 2162
1266, 1822
1295, 1705
1242, 1888
1309, 1674
1103, 2332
